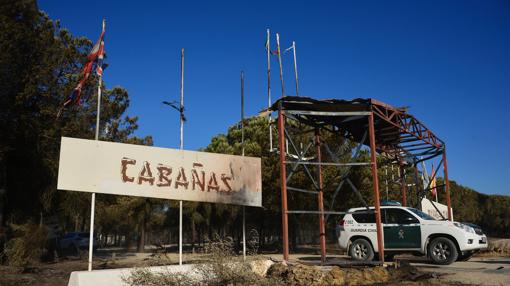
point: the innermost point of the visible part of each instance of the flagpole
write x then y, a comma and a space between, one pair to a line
295, 67
281, 79
280, 62
181, 110
268, 52
93, 198
242, 112
242, 146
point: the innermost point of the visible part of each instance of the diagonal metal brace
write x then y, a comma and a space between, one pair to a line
304, 166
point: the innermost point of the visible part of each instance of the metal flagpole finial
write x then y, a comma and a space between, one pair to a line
104, 24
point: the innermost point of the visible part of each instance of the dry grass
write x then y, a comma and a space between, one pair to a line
220, 266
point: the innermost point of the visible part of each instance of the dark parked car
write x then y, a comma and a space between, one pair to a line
77, 240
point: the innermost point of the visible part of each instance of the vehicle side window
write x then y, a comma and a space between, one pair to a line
399, 216
364, 217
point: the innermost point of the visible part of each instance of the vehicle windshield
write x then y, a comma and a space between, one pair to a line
421, 214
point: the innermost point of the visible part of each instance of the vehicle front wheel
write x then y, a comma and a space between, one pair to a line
442, 251
361, 250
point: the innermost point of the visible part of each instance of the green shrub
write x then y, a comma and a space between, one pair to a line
25, 248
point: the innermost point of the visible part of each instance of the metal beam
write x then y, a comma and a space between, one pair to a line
346, 174
375, 180
289, 176
301, 190
320, 199
330, 212
283, 185
328, 163
328, 113
304, 165
403, 184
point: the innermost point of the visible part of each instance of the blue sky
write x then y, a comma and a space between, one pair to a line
448, 60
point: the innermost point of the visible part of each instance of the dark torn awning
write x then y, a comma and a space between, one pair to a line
398, 134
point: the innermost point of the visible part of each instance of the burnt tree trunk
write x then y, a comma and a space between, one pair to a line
193, 234
141, 235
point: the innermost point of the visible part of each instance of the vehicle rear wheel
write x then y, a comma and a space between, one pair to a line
361, 250
442, 251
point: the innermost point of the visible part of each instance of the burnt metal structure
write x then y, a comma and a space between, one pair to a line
392, 133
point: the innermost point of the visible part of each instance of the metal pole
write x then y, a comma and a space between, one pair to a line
281, 79
93, 198
242, 145
322, 225
295, 67
417, 186
375, 180
268, 52
244, 233
181, 147
242, 112
386, 180
283, 183
91, 234
280, 62
403, 185
447, 186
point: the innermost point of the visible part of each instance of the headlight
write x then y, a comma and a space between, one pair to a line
464, 227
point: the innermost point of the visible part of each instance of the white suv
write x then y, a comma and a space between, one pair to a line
407, 230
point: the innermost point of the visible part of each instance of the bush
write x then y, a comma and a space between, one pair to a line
25, 248
221, 267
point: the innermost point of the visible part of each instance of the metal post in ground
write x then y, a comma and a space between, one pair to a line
417, 186
283, 184
386, 181
242, 146
181, 145
93, 198
322, 224
403, 185
375, 181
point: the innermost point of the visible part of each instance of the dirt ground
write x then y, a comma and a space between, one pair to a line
485, 271
491, 268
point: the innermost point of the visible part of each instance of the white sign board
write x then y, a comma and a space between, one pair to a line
135, 170
428, 208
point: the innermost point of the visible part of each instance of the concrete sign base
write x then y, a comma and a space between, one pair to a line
113, 277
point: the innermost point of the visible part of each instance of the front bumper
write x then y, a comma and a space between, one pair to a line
474, 242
